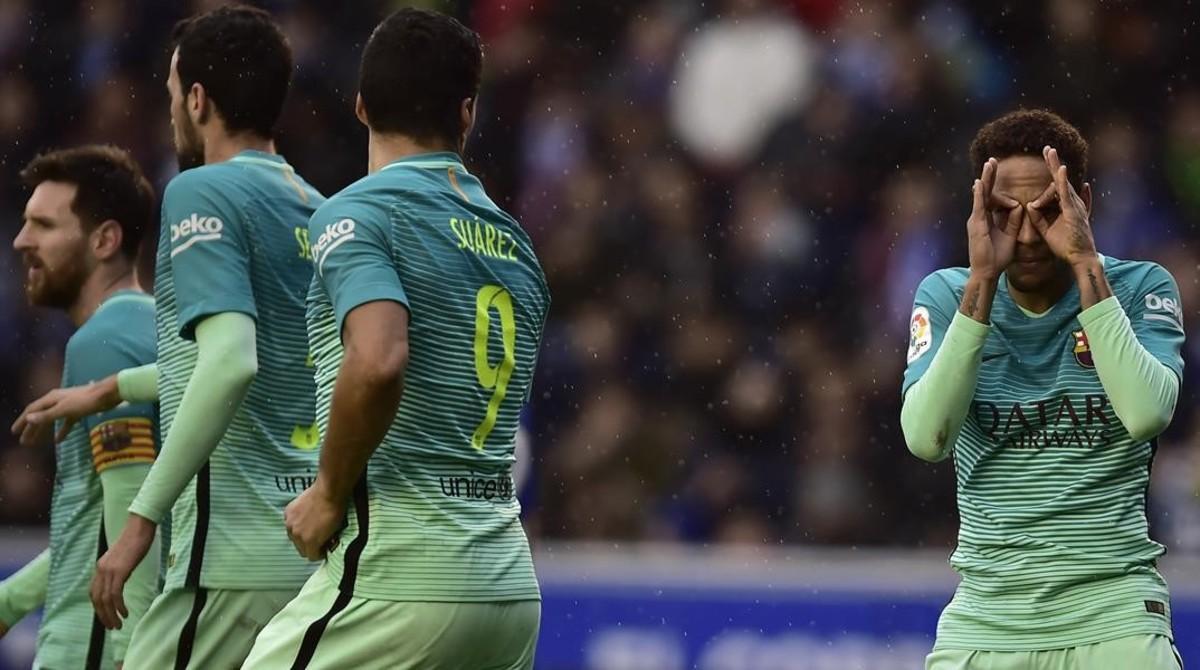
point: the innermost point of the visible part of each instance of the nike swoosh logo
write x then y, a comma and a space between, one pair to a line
992, 357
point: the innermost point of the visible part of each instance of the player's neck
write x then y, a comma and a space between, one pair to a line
383, 149
102, 283
1042, 300
220, 147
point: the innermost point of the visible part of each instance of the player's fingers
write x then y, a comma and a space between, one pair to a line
18, 426
98, 599
1004, 202
977, 203
111, 596
101, 596
30, 413
987, 177
119, 601
1037, 219
1012, 222
43, 403
1048, 197
296, 542
1063, 187
64, 429
1058, 171
1050, 155
101, 602
33, 435
312, 550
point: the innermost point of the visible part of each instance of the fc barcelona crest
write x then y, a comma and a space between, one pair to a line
114, 435
1083, 352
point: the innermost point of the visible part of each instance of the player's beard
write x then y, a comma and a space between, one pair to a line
189, 148
59, 287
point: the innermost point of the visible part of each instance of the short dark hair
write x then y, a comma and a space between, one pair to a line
242, 59
417, 68
109, 185
1024, 132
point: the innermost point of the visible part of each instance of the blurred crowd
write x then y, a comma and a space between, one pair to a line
733, 202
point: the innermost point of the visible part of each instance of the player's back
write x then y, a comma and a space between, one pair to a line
444, 519
234, 239
120, 334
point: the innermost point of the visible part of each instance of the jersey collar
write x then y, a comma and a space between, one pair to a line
123, 295
261, 158
439, 160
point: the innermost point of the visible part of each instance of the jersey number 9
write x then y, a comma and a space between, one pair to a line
493, 377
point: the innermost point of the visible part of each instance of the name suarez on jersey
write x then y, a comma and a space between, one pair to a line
484, 239
1086, 422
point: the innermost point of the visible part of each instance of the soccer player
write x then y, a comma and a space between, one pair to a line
83, 224
425, 319
233, 373
1047, 370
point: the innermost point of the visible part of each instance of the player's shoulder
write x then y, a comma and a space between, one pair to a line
1135, 273
943, 284
219, 180
124, 321
367, 201
205, 200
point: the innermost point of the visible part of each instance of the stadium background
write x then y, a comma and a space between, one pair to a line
733, 201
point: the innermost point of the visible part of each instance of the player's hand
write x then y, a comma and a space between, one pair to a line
992, 227
312, 519
69, 404
1061, 216
115, 566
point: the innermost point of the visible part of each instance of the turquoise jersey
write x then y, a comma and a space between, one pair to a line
436, 517
234, 239
119, 335
1054, 549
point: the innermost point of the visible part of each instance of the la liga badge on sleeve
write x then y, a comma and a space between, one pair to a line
920, 334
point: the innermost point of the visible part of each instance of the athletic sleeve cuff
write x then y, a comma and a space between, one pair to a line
212, 307
138, 385
965, 331
1099, 311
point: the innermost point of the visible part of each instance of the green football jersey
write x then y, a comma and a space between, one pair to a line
119, 335
1054, 549
436, 517
234, 238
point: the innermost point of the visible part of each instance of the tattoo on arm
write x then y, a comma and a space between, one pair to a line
977, 300
1093, 287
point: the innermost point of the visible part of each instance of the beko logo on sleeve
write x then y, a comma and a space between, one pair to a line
334, 236
195, 228
1163, 309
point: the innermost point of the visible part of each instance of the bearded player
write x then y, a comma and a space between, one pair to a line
233, 374
82, 228
1047, 370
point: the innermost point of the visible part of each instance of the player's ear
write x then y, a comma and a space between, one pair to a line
467, 116
106, 239
360, 110
1086, 196
197, 104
